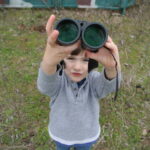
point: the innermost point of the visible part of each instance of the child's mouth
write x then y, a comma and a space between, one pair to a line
76, 74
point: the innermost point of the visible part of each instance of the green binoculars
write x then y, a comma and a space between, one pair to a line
93, 35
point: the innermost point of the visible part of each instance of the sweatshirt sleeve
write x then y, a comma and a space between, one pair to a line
48, 84
101, 86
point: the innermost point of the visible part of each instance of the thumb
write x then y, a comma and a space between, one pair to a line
72, 47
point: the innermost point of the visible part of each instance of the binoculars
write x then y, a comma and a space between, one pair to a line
93, 35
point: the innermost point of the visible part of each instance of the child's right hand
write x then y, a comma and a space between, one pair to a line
54, 53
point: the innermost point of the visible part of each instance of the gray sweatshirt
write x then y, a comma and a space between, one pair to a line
74, 115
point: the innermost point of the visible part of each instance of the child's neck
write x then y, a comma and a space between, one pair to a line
81, 82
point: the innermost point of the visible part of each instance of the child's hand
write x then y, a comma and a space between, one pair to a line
54, 53
104, 54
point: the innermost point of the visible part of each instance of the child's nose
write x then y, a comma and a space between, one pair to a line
78, 65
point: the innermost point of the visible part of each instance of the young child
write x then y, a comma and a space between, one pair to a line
75, 89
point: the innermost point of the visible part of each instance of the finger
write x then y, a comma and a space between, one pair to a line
113, 49
53, 37
111, 46
72, 47
49, 25
109, 39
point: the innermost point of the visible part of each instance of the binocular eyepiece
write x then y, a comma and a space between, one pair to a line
93, 35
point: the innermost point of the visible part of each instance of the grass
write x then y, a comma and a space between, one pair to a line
24, 111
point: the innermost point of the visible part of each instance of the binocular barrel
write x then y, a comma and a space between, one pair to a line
93, 35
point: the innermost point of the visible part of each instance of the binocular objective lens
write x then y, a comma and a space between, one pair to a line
94, 35
68, 31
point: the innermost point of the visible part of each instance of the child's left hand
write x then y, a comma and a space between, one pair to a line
104, 55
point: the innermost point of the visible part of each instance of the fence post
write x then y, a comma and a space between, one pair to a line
123, 6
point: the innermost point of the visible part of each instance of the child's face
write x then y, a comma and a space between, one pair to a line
76, 66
